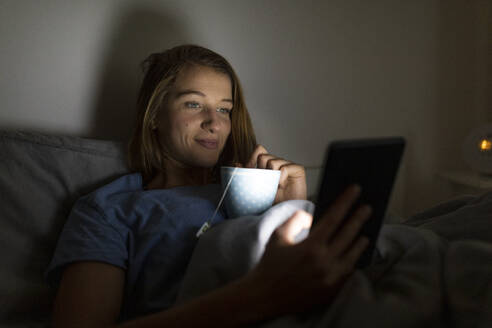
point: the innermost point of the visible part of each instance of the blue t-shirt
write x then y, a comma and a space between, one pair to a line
148, 233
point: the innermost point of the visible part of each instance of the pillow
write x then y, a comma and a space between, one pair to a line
40, 178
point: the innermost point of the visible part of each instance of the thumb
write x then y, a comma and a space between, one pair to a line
294, 225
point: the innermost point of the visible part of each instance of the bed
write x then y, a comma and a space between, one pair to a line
435, 269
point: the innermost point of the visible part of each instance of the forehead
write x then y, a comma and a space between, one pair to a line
204, 79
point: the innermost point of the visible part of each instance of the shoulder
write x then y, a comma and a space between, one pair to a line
122, 187
124, 203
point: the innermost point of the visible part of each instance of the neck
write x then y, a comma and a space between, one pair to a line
177, 176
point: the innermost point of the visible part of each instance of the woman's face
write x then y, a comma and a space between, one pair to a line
195, 122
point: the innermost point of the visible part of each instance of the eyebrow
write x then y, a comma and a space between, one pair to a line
194, 92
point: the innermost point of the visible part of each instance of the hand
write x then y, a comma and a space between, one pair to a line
299, 276
292, 184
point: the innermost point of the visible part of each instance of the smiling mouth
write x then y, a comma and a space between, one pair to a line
208, 144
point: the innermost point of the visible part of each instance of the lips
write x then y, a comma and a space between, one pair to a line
208, 143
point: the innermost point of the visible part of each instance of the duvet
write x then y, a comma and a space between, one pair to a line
435, 269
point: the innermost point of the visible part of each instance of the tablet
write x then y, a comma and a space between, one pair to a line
372, 164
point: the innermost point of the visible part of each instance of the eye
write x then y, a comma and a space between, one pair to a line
226, 111
192, 104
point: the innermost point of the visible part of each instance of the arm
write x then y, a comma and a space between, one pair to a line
90, 294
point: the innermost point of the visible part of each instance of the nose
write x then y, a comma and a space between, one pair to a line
211, 121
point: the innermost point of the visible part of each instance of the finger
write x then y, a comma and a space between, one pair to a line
238, 165
272, 162
263, 159
288, 230
290, 171
331, 219
254, 156
353, 254
350, 230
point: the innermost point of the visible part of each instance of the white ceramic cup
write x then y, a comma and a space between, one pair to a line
251, 191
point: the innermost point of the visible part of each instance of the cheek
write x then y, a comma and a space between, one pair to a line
173, 129
185, 124
182, 128
178, 122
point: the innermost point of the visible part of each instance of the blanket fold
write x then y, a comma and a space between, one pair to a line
434, 270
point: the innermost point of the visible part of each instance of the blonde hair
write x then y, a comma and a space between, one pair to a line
161, 69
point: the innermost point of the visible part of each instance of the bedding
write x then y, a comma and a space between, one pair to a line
434, 268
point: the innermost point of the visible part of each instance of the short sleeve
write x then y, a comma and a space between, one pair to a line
87, 236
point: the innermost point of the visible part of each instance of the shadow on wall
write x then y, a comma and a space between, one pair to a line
455, 113
137, 33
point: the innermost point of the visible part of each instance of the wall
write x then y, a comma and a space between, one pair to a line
312, 71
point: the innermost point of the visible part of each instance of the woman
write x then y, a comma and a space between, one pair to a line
124, 248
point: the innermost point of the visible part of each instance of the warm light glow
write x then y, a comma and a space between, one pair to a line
485, 145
